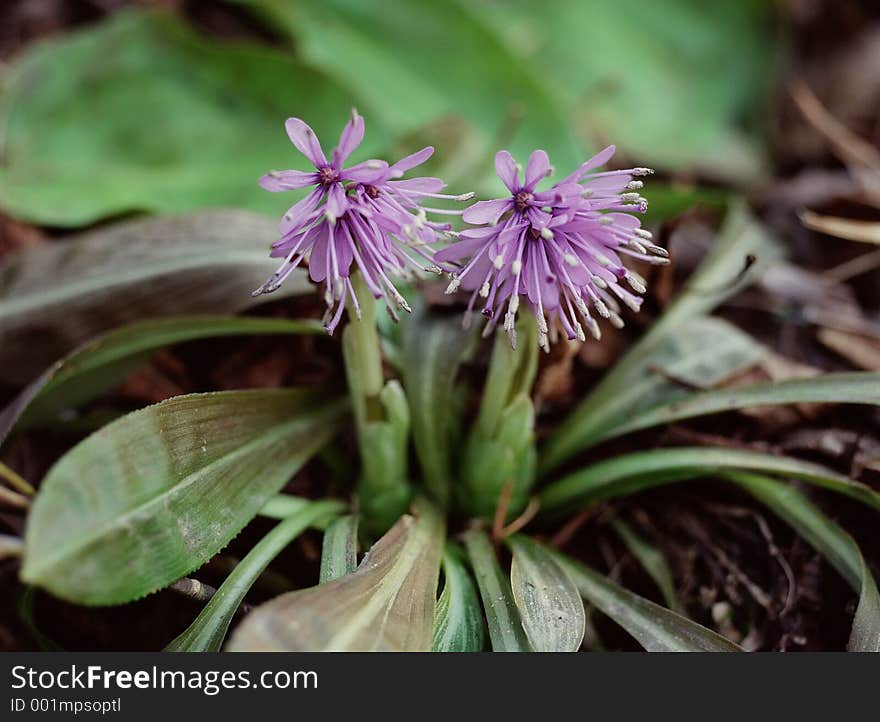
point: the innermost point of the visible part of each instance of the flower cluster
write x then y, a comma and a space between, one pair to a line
364, 214
560, 249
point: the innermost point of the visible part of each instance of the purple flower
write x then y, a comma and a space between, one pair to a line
365, 214
561, 249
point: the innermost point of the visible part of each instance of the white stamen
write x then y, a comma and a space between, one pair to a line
634, 185
546, 234
484, 290
616, 320
571, 260
453, 285
587, 192
632, 303
601, 308
630, 197
642, 171
599, 282
606, 221
642, 233
498, 262
516, 267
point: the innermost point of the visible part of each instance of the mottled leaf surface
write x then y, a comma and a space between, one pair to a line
387, 604
155, 494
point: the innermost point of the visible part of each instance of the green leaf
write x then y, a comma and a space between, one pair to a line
642, 470
651, 559
807, 520
433, 347
865, 635
282, 506
705, 352
548, 601
743, 249
59, 295
672, 87
458, 617
104, 362
207, 632
387, 604
155, 494
443, 45
656, 628
505, 625
339, 550
114, 118
838, 388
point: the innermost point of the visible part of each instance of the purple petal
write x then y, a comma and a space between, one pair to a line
411, 161
600, 159
424, 184
349, 140
487, 211
505, 167
460, 250
337, 203
298, 211
306, 142
318, 261
287, 180
537, 168
370, 171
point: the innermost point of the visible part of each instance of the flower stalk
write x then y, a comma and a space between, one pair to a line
381, 416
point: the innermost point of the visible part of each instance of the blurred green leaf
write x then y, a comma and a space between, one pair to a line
549, 603
433, 347
387, 604
458, 616
670, 82
656, 628
339, 550
839, 388
651, 559
865, 636
155, 494
59, 295
505, 624
634, 472
140, 113
743, 248
104, 362
416, 61
207, 632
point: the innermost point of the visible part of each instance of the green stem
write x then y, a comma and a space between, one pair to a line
381, 416
363, 354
